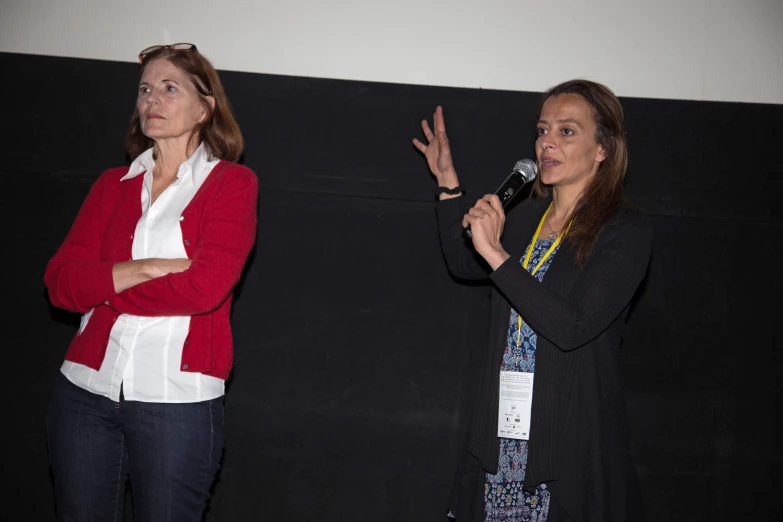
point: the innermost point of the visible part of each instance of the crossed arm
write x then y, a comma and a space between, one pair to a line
79, 280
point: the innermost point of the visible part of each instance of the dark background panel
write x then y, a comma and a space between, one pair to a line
705, 159
35, 334
703, 390
354, 345
359, 357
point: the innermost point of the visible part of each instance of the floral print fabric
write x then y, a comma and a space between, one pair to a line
504, 498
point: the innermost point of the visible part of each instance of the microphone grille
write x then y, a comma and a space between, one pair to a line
527, 168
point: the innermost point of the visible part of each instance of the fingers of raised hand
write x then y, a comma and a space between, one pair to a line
425, 127
420, 146
443, 140
438, 120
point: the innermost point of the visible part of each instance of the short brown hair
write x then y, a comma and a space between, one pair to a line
219, 132
604, 193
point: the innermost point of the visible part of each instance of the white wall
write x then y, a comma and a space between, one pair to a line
726, 50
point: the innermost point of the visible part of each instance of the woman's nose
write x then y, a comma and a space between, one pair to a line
153, 97
546, 143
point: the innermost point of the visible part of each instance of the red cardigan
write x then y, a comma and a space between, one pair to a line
218, 231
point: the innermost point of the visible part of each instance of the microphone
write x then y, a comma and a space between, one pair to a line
524, 172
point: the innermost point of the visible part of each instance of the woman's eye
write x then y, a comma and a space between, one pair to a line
144, 90
171, 88
540, 131
568, 132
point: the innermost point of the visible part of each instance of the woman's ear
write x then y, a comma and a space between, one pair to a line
600, 155
206, 113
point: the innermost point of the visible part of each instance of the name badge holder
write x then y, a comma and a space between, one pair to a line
516, 388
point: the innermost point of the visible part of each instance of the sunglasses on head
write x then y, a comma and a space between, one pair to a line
187, 47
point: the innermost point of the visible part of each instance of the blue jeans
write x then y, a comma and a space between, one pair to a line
170, 452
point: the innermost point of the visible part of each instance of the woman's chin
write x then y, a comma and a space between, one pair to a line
153, 134
548, 178
154, 130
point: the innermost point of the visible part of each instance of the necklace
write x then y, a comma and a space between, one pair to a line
552, 233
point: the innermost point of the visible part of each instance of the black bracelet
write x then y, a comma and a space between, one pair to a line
451, 192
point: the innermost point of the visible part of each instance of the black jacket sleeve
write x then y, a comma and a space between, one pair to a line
462, 259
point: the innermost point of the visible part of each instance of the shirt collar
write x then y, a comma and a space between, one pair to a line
194, 164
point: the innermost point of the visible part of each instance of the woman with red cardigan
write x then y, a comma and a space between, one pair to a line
151, 262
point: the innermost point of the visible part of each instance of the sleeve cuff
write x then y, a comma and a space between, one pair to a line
100, 286
510, 274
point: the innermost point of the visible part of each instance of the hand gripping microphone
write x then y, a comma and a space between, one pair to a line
524, 171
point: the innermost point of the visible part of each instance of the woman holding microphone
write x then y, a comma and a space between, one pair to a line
564, 267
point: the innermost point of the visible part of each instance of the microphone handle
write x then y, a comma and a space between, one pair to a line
507, 191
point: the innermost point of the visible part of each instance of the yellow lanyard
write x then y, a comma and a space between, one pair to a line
526, 262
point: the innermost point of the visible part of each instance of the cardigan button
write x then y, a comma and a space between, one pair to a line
184, 366
187, 242
187, 342
182, 218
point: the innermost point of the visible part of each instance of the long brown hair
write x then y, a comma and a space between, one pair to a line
604, 192
219, 132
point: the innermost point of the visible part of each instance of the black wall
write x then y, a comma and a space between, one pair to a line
353, 344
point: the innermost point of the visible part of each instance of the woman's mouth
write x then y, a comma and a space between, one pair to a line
549, 163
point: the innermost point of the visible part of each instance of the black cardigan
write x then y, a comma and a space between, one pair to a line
579, 437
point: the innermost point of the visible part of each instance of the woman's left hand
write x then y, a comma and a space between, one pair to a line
487, 219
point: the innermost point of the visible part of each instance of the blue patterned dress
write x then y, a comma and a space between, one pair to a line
504, 498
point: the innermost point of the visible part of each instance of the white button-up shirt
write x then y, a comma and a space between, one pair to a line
144, 353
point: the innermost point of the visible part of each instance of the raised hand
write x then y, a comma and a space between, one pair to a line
437, 150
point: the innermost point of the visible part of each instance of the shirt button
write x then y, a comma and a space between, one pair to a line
184, 366
187, 242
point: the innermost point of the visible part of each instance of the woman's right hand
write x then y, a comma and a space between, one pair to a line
437, 151
158, 267
131, 273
